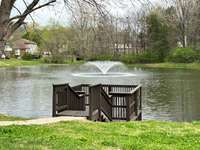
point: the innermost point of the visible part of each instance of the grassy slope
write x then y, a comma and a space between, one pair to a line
169, 65
9, 118
16, 62
149, 135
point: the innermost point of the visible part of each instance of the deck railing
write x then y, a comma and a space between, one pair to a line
66, 98
85, 89
59, 99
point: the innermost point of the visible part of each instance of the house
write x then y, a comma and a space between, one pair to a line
123, 48
23, 46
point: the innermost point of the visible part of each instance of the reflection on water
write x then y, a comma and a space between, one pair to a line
167, 94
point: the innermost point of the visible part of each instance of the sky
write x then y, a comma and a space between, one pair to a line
60, 14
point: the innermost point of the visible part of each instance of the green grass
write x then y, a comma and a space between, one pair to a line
195, 66
9, 118
147, 135
19, 62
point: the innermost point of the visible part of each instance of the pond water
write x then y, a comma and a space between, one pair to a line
168, 94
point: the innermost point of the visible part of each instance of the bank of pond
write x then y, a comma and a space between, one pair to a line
146, 135
20, 62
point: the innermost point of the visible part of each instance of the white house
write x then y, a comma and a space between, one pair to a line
23, 46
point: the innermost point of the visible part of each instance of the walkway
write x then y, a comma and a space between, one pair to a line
42, 121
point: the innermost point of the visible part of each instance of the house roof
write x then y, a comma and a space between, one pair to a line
23, 44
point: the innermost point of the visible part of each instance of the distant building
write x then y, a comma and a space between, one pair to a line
123, 48
23, 46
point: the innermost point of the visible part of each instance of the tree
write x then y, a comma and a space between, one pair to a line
56, 38
9, 24
33, 34
157, 34
184, 12
194, 26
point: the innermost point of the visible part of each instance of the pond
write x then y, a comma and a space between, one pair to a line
168, 94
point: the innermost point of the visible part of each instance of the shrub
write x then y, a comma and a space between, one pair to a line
27, 56
101, 57
129, 59
146, 57
53, 59
183, 55
198, 56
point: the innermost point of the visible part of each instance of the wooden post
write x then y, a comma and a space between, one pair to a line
127, 109
90, 104
54, 103
99, 100
109, 89
140, 115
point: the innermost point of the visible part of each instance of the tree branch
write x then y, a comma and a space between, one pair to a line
28, 10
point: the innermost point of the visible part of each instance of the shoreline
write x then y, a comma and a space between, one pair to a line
190, 66
165, 65
9, 63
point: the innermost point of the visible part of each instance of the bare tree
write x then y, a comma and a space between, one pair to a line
194, 26
8, 23
184, 12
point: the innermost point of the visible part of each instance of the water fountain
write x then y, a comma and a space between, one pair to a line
104, 69
104, 66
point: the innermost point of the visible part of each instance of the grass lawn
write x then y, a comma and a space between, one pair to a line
9, 118
195, 66
19, 62
147, 135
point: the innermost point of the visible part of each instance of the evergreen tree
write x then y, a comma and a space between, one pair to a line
158, 36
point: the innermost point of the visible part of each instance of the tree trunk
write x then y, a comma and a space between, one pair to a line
185, 41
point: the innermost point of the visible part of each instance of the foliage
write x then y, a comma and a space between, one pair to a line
101, 57
183, 55
146, 57
53, 59
195, 66
33, 35
27, 56
57, 37
147, 135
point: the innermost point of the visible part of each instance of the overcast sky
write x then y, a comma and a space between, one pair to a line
59, 13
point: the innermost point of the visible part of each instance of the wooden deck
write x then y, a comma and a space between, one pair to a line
75, 113
98, 102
